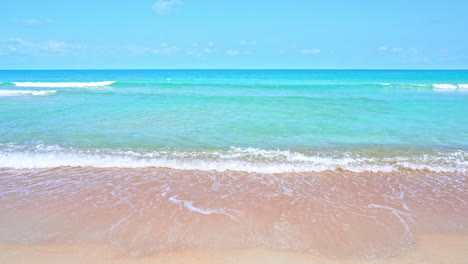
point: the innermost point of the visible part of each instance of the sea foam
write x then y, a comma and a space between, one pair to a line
63, 84
233, 159
141, 212
445, 86
25, 92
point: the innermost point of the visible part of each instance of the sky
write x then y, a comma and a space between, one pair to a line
241, 34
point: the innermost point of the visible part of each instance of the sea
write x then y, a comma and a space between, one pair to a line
341, 163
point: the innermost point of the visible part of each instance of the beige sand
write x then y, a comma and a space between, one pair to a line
432, 248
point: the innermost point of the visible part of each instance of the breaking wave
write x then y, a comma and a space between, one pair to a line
25, 92
232, 159
63, 84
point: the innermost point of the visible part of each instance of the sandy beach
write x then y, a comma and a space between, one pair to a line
431, 248
173, 216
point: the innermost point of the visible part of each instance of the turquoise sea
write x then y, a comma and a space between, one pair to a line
340, 163
241, 120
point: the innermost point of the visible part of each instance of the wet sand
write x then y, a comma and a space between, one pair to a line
431, 248
146, 214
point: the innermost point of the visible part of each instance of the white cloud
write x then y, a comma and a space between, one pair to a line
310, 51
232, 52
163, 49
248, 42
163, 7
444, 53
194, 53
382, 48
414, 51
152, 50
198, 50
60, 46
18, 42
404, 54
13, 46
32, 22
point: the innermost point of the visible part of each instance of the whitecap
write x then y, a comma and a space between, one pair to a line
63, 84
25, 92
444, 86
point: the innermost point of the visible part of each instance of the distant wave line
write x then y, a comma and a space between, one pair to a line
25, 92
165, 82
63, 84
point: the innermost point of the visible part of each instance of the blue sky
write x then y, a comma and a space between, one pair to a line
92, 34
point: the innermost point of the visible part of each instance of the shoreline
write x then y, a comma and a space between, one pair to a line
141, 212
431, 248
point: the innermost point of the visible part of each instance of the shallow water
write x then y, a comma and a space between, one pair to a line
143, 211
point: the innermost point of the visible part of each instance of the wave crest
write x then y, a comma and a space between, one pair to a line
25, 92
232, 159
445, 86
63, 84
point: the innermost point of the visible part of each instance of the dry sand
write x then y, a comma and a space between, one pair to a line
431, 248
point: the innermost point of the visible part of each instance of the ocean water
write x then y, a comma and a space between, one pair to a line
342, 163
243, 120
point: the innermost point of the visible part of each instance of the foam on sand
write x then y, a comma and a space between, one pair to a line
63, 84
146, 211
25, 92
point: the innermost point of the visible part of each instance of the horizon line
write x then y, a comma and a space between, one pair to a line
173, 69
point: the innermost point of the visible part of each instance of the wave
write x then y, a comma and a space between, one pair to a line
232, 159
176, 87
435, 86
25, 92
63, 84
445, 86
216, 83
450, 87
